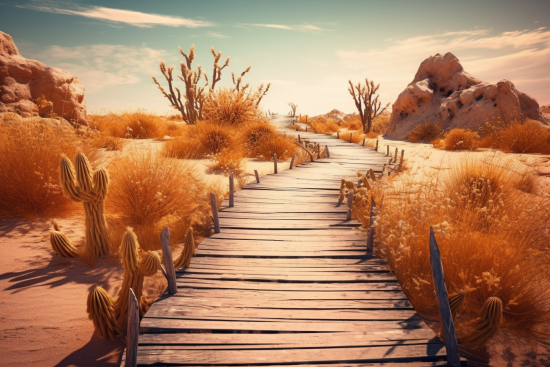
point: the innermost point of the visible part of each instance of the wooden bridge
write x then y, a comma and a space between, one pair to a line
288, 281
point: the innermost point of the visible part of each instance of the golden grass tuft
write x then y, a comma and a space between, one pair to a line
253, 134
150, 192
133, 125
228, 107
381, 123
29, 169
281, 145
324, 125
356, 137
492, 239
461, 139
425, 131
529, 137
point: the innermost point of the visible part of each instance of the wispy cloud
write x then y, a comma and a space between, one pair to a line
520, 56
216, 35
300, 27
130, 17
278, 26
100, 66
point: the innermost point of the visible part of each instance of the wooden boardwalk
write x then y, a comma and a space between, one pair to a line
288, 282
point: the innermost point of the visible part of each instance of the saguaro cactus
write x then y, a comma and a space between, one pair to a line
486, 326
89, 187
110, 317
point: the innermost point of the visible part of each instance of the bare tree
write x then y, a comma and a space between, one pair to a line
367, 103
293, 106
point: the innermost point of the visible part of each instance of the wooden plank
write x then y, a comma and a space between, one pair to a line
300, 263
275, 253
304, 277
132, 332
287, 286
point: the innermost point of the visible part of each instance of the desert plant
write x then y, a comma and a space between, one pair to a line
91, 188
293, 107
461, 139
227, 107
455, 301
110, 317
527, 137
367, 104
61, 244
281, 145
425, 131
486, 326
253, 133
380, 123
187, 252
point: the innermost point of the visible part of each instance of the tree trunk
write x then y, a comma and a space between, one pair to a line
97, 243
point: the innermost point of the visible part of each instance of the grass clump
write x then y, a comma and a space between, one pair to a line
324, 125
425, 131
228, 107
134, 125
29, 169
527, 137
461, 139
492, 237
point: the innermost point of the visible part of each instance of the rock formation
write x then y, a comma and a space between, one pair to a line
443, 93
30, 88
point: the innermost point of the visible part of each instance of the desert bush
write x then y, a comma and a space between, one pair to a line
381, 123
283, 146
356, 137
252, 135
323, 125
132, 125
461, 139
228, 107
149, 192
503, 256
528, 137
29, 169
425, 131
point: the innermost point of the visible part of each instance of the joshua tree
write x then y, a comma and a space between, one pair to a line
367, 104
191, 108
293, 107
89, 187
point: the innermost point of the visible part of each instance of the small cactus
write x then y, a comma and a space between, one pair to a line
486, 326
61, 244
89, 187
187, 252
455, 301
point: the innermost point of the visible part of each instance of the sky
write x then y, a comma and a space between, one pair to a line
306, 49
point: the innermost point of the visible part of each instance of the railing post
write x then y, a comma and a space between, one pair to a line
257, 176
395, 158
132, 330
453, 358
387, 150
338, 134
350, 137
275, 162
376, 145
402, 155
364, 141
350, 204
170, 272
370, 237
231, 189
215, 213
299, 140
328, 155
292, 161
306, 128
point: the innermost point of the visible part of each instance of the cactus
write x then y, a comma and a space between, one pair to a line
345, 185
455, 301
61, 244
111, 317
486, 326
187, 252
90, 188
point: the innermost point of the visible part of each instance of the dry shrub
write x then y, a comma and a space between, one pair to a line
203, 140
133, 125
174, 129
281, 145
228, 107
109, 143
380, 123
29, 169
493, 241
461, 139
324, 125
148, 193
372, 135
182, 148
529, 137
356, 137
253, 134
425, 131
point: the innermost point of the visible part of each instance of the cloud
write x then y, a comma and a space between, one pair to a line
278, 26
130, 17
216, 35
520, 56
302, 27
100, 66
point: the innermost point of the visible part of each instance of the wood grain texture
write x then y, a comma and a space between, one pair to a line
168, 261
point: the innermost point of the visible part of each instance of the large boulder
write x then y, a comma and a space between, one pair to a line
30, 88
443, 93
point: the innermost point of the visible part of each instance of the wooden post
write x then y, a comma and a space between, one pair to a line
364, 141
292, 160
395, 158
402, 155
338, 134
257, 176
328, 154
376, 145
453, 358
370, 238
132, 330
300, 117
350, 137
388, 150
306, 128
299, 141
350, 203
215, 213
231, 189
275, 162
170, 272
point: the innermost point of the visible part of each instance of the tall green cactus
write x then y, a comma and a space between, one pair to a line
90, 188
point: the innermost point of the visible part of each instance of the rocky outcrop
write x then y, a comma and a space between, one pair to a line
443, 93
30, 88
335, 114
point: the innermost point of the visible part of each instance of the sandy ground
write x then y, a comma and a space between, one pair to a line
43, 296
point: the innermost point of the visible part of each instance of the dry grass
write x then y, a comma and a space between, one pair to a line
352, 122
324, 125
493, 240
461, 139
134, 125
148, 193
380, 124
356, 137
529, 137
29, 169
253, 134
283, 146
228, 107
425, 131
